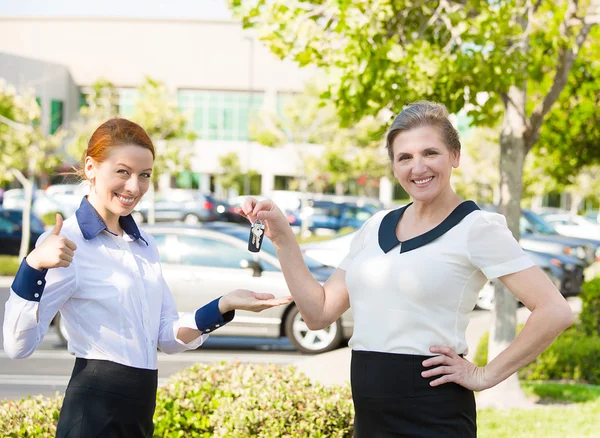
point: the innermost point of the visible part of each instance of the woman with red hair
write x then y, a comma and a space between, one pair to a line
103, 274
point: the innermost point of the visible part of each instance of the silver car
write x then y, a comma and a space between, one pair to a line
203, 262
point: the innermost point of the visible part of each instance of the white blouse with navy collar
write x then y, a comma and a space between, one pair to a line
408, 296
114, 301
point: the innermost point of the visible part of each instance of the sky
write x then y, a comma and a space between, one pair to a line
204, 9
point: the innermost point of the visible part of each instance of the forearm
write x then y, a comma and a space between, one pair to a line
542, 327
308, 293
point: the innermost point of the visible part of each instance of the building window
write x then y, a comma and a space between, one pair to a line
127, 100
220, 115
56, 115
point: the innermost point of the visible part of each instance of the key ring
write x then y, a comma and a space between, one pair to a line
257, 233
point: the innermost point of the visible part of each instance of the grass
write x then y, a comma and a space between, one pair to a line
563, 410
9, 265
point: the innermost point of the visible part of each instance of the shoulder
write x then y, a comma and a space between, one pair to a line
482, 218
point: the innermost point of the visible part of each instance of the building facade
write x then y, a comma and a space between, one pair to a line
220, 75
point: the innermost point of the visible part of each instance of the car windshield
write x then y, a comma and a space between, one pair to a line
538, 224
269, 248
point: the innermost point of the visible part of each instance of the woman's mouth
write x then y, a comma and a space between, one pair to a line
422, 182
125, 200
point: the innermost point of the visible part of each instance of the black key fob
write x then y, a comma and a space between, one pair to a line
257, 233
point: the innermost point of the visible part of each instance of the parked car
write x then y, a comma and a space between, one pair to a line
68, 196
188, 206
11, 229
573, 225
538, 235
205, 262
332, 216
42, 204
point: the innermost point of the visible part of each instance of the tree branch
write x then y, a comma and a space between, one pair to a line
16, 125
566, 59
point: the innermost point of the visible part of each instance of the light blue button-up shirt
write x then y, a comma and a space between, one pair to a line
113, 299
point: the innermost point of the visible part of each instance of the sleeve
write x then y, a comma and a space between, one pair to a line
206, 319
34, 299
493, 249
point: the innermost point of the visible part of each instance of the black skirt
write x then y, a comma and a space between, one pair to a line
392, 399
107, 399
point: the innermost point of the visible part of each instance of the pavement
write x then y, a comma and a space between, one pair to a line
6, 281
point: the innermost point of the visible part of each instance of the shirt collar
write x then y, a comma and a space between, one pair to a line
91, 224
387, 229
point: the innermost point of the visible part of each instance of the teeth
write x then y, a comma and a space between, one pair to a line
126, 200
423, 181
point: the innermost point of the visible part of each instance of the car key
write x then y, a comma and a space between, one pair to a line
257, 233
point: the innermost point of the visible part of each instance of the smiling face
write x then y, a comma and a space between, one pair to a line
422, 163
120, 181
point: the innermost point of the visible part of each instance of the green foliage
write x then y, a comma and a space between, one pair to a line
564, 392
9, 265
24, 147
49, 219
590, 308
235, 400
30, 418
573, 356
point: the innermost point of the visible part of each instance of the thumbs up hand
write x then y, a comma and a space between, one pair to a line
54, 252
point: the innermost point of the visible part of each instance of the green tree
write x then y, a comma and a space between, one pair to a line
101, 104
25, 151
509, 60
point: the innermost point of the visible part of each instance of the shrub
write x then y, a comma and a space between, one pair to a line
590, 307
32, 417
9, 265
234, 400
218, 400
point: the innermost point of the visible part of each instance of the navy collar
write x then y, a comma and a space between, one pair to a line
91, 224
387, 229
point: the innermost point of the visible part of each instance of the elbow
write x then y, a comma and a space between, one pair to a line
567, 317
317, 324
13, 351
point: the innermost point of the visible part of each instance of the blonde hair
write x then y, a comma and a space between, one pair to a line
423, 113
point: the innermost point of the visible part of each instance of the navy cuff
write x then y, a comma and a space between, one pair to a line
209, 318
29, 283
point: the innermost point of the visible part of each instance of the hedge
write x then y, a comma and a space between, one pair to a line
220, 400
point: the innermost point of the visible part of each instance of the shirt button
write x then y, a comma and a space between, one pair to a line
36, 295
39, 282
218, 325
207, 330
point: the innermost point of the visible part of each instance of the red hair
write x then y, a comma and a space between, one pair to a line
113, 133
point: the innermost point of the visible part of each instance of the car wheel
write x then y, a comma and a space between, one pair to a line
137, 217
311, 341
59, 323
191, 219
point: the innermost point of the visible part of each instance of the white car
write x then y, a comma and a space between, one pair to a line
574, 226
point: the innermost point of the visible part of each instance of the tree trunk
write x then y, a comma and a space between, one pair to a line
503, 326
28, 199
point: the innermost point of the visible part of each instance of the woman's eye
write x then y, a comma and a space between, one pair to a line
122, 172
146, 175
431, 153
